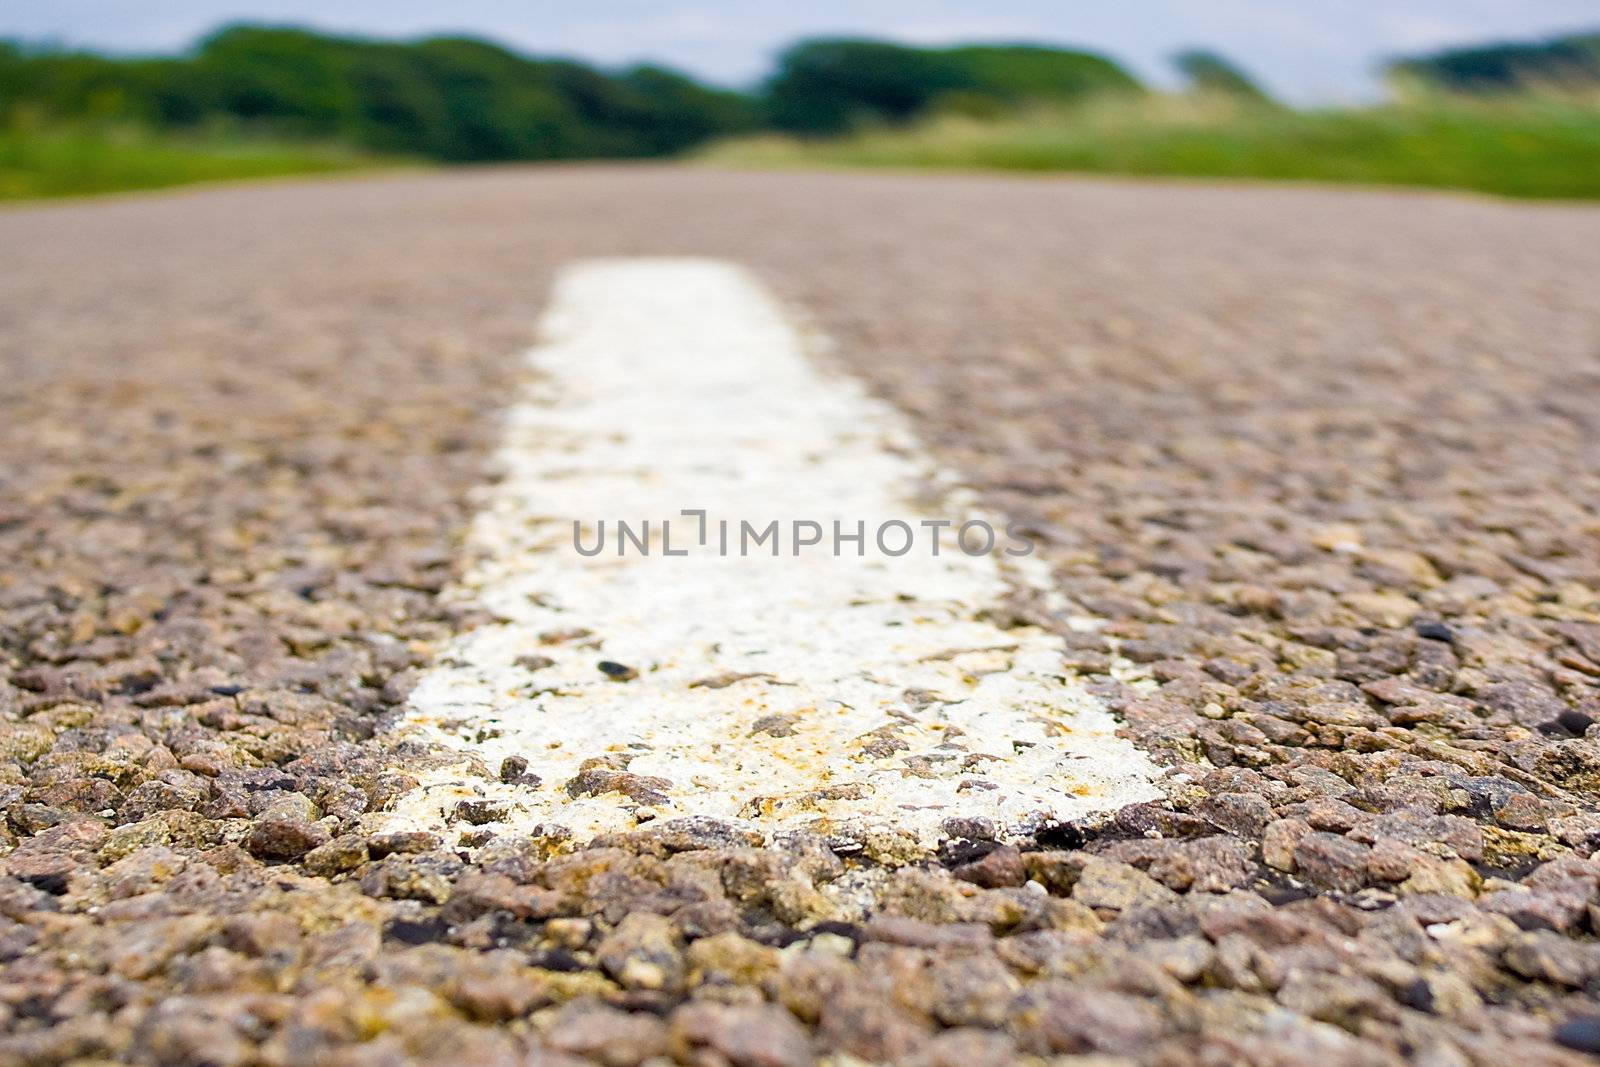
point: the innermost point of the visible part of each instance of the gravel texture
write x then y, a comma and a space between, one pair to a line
1327, 463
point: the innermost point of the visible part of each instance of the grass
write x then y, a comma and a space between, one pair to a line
53, 162
1545, 146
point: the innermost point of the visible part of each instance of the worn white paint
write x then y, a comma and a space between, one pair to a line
878, 701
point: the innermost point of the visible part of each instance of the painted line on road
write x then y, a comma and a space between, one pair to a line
864, 697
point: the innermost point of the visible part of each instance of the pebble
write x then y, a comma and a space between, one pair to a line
617, 672
281, 836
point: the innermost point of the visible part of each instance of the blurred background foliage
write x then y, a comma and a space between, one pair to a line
451, 99
1208, 72
834, 86
256, 100
1564, 65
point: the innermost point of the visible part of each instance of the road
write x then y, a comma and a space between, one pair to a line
1322, 468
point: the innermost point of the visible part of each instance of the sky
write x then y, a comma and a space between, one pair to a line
1306, 51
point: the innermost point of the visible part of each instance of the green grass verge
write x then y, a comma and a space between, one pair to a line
72, 162
1535, 147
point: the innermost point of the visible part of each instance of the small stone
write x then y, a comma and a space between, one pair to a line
1057, 871
514, 771
1522, 811
495, 995
644, 952
595, 779
1185, 958
1580, 831
1553, 958
1344, 1000
1106, 884
1064, 913
1338, 537
965, 1048
1207, 865
480, 812
568, 933
278, 836
1390, 610
694, 833
144, 948
1279, 840
344, 853
1334, 816
1437, 876
1460, 835
402, 841
1391, 860
1581, 1033
744, 1035
476, 893
561, 637
49, 872
1435, 631
1061, 1017
617, 672
971, 990
427, 878
1000, 868
729, 960
603, 1034
775, 725
1245, 814
1332, 861
1555, 896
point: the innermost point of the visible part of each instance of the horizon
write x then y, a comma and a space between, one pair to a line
1331, 55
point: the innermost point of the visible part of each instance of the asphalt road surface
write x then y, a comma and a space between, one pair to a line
1322, 468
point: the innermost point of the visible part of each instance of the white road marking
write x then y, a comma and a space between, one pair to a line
866, 698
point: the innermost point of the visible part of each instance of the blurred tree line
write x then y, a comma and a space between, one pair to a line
451, 99
831, 86
459, 99
1570, 63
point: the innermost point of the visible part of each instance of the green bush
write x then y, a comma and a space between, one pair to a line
453, 99
1209, 72
830, 86
1022, 74
1571, 62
